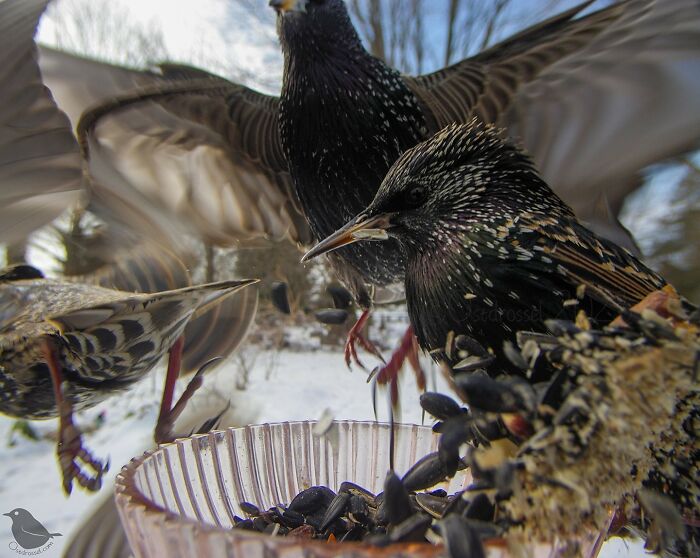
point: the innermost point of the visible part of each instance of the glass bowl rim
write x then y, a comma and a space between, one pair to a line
127, 496
129, 499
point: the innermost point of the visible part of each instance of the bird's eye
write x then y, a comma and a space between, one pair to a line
415, 196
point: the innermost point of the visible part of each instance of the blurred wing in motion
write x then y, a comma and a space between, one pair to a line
214, 332
628, 99
40, 162
594, 99
195, 146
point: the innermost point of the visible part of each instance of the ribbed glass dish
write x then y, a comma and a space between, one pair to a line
180, 499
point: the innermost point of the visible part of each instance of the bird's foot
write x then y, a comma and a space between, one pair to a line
389, 372
355, 335
69, 448
164, 427
71, 453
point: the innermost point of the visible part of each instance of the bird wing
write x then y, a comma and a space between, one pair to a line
594, 99
40, 162
11, 305
41, 173
628, 98
609, 273
484, 85
196, 146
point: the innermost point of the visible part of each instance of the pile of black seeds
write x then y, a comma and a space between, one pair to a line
613, 430
396, 515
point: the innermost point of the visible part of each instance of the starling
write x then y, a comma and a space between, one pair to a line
490, 248
318, 152
71, 345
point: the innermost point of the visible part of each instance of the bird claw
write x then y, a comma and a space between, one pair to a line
70, 453
355, 335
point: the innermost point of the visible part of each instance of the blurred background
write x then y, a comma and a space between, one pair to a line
270, 377
237, 40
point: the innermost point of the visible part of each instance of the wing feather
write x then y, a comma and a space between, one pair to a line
40, 163
594, 99
205, 149
583, 257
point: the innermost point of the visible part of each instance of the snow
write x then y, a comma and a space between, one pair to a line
281, 385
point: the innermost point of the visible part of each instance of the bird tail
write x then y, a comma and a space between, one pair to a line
211, 293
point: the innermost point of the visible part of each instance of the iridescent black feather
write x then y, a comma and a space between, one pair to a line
491, 249
344, 118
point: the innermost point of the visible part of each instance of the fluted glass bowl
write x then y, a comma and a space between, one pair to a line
180, 499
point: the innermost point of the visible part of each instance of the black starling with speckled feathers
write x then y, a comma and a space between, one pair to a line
345, 117
491, 249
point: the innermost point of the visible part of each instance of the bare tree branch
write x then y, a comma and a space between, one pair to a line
492, 22
103, 29
451, 22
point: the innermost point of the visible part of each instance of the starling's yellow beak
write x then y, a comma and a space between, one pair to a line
288, 5
360, 228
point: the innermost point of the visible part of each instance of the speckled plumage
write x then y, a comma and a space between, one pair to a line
491, 249
344, 118
105, 339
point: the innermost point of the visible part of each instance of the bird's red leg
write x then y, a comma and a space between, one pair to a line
70, 445
389, 373
164, 426
355, 335
413, 360
169, 412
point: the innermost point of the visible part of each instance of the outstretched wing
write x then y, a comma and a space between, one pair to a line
40, 163
204, 150
594, 99
485, 85
625, 100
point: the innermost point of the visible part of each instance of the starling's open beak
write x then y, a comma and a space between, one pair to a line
288, 5
361, 228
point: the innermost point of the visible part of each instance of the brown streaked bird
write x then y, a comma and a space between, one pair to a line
42, 174
69, 346
233, 162
491, 250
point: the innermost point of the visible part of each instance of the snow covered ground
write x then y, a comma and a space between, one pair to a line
281, 385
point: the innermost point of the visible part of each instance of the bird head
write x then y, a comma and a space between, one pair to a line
284, 7
19, 272
18, 514
313, 26
464, 174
